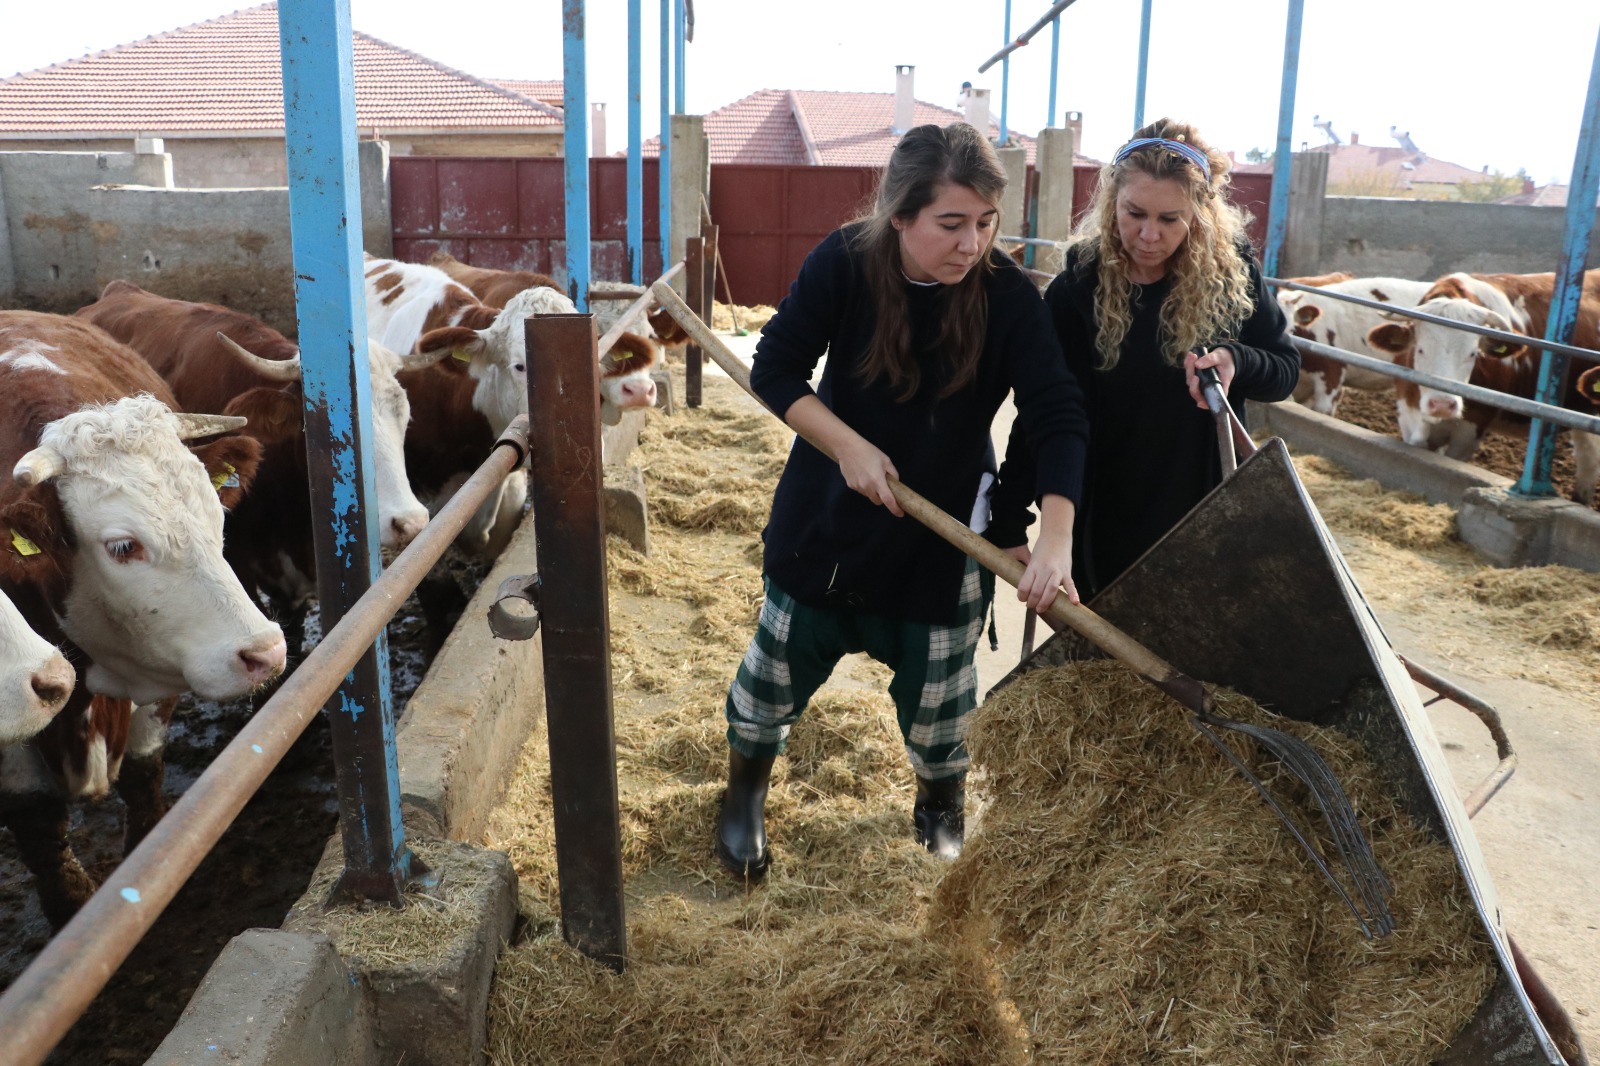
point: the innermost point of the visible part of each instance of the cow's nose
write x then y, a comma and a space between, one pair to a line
406, 527
264, 658
52, 683
1443, 406
638, 393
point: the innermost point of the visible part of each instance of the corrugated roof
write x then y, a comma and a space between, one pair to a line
847, 128
224, 75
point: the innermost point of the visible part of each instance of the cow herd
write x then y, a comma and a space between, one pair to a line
155, 506
1516, 303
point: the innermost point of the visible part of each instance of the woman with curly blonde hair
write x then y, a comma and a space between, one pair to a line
1159, 284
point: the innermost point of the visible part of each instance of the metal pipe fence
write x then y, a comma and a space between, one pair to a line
45, 1000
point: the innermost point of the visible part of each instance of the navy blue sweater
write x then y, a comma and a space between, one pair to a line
827, 545
1153, 452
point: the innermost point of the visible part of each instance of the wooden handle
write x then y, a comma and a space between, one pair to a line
1099, 632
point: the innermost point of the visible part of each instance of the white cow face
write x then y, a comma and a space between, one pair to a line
401, 515
35, 679
1442, 352
150, 599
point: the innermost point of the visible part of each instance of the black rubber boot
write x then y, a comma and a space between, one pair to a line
742, 827
939, 815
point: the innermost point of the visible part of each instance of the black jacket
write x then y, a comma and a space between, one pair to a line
827, 545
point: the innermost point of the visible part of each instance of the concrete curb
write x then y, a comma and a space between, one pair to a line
1505, 529
285, 997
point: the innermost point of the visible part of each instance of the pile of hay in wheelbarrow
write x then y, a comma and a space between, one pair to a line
1124, 894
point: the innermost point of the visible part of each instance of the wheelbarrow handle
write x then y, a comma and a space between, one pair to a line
1099, 632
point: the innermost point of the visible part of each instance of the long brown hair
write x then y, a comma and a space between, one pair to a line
926, 159
1210, 292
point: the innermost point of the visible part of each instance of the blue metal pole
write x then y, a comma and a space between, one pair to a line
1278, 207
575, 102
635, 139
1055, 66
1144, 64
679, 30
1005, 81
664, 156
1559, 327
325, 230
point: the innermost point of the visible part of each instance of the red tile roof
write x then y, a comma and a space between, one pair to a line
545, 90
1406, 167
848, 129
224, 76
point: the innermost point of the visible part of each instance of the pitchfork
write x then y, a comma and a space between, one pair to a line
1295, 754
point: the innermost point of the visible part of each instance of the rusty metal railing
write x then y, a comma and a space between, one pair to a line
45, 1000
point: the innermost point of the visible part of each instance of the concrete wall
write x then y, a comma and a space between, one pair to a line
75, 221
1370, 236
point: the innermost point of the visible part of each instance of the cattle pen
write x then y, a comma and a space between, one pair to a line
567, 597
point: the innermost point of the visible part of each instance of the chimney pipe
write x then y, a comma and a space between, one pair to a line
905, 99
597, 129
1075, 124
1355, 138
977, 115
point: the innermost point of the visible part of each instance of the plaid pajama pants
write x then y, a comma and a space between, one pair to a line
796, 647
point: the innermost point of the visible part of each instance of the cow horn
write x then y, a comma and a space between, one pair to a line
192, 426
422, 360
271, 369
38, 466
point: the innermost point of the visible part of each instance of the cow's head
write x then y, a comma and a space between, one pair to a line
497, 357
35, 678
1589, 385
127, 520
275, 412
1442, 352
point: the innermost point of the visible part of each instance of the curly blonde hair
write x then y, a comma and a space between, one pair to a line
1210, 292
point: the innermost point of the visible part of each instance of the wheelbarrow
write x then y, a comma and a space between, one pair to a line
1305, 644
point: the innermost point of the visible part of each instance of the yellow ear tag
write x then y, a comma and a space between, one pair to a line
23, 545
465, 357
226, 478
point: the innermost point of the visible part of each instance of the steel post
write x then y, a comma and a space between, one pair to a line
325, 227
575, 145
1278, 208
664, 155
1005, 85
1055, 67
569, 522
694, 258
635, 144
1144, 63
1568, 295
680, 29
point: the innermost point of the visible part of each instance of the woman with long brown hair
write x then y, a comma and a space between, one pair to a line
926, 329
1158, 285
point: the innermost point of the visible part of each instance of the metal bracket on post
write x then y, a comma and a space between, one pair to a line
569, 524
520, 624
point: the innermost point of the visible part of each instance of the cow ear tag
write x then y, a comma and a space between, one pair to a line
23, 545
465, 357
226, 478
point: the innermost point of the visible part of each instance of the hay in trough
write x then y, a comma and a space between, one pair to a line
1143, 902
1362, 505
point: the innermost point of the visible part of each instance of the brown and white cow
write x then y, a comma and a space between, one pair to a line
114, 530
1525, 299
1339, 324
35, 678
225, 362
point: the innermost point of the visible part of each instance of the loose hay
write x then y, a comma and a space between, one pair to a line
749, 318
1143, 901
1363, 505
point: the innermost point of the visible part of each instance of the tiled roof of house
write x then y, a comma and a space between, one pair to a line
1349, 162
545, 90
1552, 195
224, 76
846, 128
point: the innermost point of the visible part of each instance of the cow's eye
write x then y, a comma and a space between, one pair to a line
125, 549
519, 367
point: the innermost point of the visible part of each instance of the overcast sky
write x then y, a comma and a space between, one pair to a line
1474, 82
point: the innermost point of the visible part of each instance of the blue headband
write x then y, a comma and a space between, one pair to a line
1179, 148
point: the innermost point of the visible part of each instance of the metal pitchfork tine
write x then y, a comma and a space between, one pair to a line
1297, 756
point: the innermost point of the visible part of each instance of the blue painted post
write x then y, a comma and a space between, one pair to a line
1055, 66
664, 156
635, 139
680, 26
1144, 64
575, 102
1005, 82
1278, 207
1581, 194
325, 228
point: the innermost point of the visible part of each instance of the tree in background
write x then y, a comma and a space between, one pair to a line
1492, 187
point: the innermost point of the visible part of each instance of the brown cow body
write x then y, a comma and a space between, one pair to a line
87, 440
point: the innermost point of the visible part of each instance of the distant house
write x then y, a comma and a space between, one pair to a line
1357, 169
213, 93
803, 127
